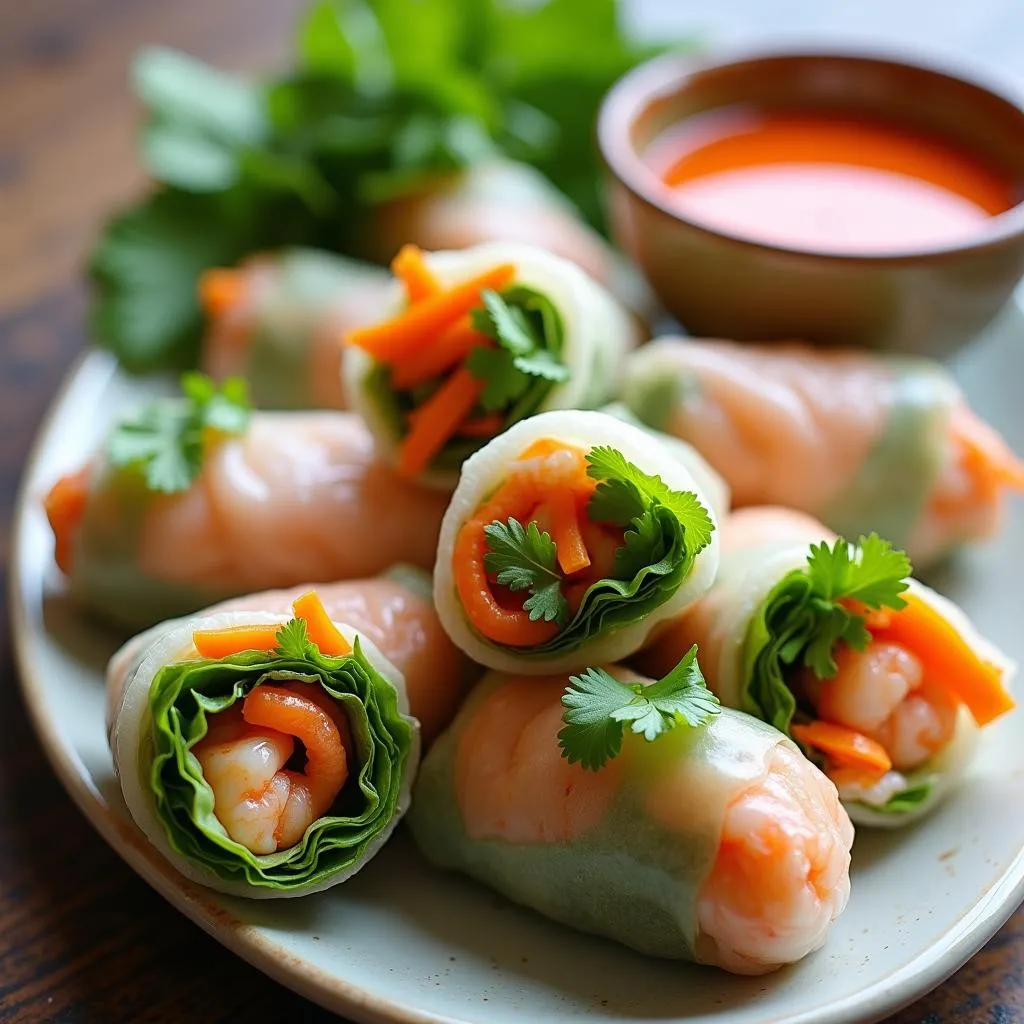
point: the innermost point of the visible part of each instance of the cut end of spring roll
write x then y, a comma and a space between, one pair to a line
277, 320
719, 844
862, 441
204, 748
568, 539
883, 682
479, 340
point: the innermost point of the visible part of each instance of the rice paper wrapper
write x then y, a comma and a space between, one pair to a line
598, 333
131, 737
487, 469
633, 876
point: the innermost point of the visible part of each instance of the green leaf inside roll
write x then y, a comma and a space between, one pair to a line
182, 698
518, 371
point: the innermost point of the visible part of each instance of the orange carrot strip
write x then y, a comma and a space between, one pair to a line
438, 420
220, 290
65, 506
947, 659
440, 355
222, 643
987, 456
567, 535
844, 745
319, 627
395, 340
409, 267
487, 425
510, 626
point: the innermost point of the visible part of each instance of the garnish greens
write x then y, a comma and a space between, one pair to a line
384, 96
665, 531
520, 356
812, 609
525, 558
166, 439
293, 641
599, 706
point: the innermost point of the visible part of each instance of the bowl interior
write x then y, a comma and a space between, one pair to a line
966, 114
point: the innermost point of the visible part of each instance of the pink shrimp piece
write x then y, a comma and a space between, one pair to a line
405, 628
781, 874
511, 781
261, 804
302, 497
881, 692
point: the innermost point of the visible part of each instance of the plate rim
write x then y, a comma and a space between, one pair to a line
887, 996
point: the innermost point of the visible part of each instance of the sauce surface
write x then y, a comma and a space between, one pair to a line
827, 182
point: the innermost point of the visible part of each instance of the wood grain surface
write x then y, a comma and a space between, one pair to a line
81, 938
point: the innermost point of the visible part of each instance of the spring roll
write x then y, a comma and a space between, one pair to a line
884, 682
503, 201
171, 516
476, 341
278, 321
862, 441
394, 610
568, 538
205, 735
719, 844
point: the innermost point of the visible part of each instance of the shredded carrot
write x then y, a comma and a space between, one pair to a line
222, 643
846, 746
510, 626
395, 340
438, 421
488, 425
572, 549
947, 659
65, 506
319, 627
874, 618
986, 455
439, 356
419, 282
219, 290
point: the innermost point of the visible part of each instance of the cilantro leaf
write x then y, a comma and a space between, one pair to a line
293, 640
643, 544
599, 706
542, 364
506, 324
166, 439
524, 558
625, 493
875, 575
503, 383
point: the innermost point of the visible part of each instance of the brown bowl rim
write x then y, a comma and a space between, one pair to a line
666, 74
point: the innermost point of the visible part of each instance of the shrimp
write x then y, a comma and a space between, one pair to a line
781, 873
261, 804
881, 692
511, 781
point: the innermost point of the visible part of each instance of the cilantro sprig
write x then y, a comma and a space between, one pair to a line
166, 440
383, 97
599, 707
812, 610
524, 558
665, 531
521, 369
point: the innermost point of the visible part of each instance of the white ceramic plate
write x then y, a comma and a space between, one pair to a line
402, 942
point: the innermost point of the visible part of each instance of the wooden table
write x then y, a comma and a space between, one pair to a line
81, 938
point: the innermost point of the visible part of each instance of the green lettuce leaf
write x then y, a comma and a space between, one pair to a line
184, 695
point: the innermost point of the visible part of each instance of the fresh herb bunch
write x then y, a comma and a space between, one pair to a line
384, 95
665, 530
166, 440
810, 611
598, 707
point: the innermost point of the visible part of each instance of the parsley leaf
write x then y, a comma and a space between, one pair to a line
293, 641
599, 706
521, 357
875, 575
523, 558
625, 493
166, 439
